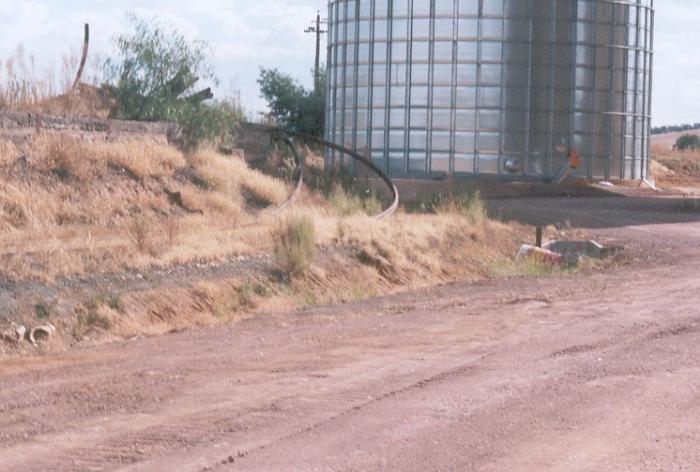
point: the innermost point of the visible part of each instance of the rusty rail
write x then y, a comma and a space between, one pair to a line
287, 136
299, 160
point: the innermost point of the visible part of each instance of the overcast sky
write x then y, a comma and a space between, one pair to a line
248, 34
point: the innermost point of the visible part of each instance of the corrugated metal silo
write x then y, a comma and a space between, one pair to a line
492, 88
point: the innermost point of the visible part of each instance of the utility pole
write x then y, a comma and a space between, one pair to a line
316, 29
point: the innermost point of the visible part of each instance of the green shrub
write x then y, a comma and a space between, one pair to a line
688, 142
295, 246
109, 299
89, 320
208, 122
261, 290
42, 311
155, 77
291, 105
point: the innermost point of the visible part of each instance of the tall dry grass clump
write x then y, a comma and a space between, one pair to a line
64, 155
142, 159
9, 153
24, 88
347, 203
294, 245
217, 172
14, 211
469, 206
231, 175
139, 229
72, 156
20, 86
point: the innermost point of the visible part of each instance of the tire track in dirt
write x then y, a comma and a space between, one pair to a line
554, 394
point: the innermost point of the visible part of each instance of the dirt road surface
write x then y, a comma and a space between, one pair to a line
589, 372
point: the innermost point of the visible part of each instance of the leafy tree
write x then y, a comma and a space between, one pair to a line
688, 142
291, 105
154, 78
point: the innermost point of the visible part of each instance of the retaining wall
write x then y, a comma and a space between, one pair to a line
20, 126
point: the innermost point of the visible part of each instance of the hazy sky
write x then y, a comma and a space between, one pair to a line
248, 34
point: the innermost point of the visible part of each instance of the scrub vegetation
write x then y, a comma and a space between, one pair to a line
123, 211
155, 74
82, 206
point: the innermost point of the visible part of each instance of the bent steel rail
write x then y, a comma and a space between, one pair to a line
299, 160
288, 137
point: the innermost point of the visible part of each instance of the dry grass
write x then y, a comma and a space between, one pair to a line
371, 258
528, 267
171, 227
70, 207
72, 156
141, 159
8, 152
89, 320
676, 169
26, 87
63, 155
469, 206
222, 204
348, 203
74, 205
295, 245
14, 208
232, 176
140, 232
217, 172
83, 206
684, 163
427, 248
160, 311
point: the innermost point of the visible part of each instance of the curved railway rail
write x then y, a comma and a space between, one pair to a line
290, 138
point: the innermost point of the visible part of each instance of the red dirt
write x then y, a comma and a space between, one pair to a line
595, 371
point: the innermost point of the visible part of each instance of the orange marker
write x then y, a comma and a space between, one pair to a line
574, 158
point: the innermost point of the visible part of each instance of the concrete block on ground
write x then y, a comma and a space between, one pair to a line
15, 335
540, 254
579, 248
20, 331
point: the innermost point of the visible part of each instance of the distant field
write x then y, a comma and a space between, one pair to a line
667, 140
